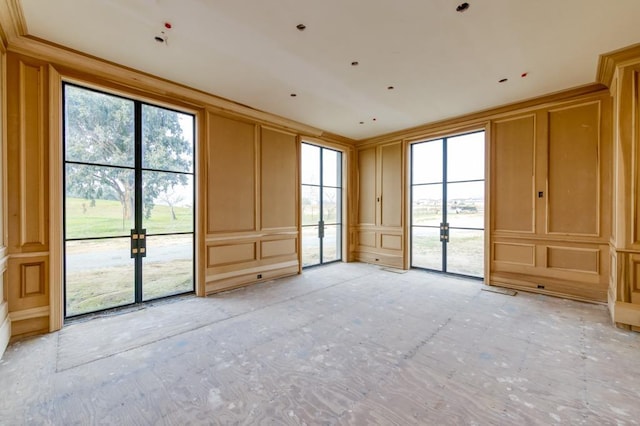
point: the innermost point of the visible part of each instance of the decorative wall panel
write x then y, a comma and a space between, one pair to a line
513, 174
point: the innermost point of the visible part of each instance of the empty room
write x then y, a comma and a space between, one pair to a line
357, 212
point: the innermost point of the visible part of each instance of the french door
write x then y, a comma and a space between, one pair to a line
321, 205
129, 201
447, 204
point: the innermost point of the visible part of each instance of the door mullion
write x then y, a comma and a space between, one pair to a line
321, 223
137, 208
444, 204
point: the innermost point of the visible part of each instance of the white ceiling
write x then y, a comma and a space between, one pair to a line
442, 63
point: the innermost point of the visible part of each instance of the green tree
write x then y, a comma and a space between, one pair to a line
99, 129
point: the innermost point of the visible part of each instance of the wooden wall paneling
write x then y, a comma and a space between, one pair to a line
574, 170
391, 188
573, 259
381, 188
512, 177
390, 241
281, 247
565, 169
367, 238
488, 203
514, 253
633, 132
5, 321
28, 190
29, 282
27, 154
56, 195
231, 175
279, 170
202, 154
367, 193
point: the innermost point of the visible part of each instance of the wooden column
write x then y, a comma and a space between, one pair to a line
624, 284
27, 160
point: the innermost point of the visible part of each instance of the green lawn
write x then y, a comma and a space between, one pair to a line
103, 288
104, 219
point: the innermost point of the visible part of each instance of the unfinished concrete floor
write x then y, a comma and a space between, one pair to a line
340, 344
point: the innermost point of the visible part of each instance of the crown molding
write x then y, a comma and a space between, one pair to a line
12, 22
478, 119
608, 62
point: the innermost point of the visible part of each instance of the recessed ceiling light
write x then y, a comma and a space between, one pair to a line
390, 88
462, 7
362, 122
301, 27
504, 80
375, 119
355, 63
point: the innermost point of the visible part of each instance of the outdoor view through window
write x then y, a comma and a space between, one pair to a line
129, 201
447, 204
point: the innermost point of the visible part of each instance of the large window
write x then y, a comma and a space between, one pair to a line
129, 201
321, 205
447, 204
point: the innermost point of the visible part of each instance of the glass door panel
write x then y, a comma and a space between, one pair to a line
331, 247
331, 205
99, 128
465, 157
465, 204
166, 216
331, 168
465, 252
426, 248
310, 246
427, 205
99, 275
429, 158
168, 266
310, 205
167, 203
99, 201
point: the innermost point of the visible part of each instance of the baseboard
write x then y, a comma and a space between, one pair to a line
246, 278
626, 314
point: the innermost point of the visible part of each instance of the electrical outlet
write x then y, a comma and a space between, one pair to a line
259, 276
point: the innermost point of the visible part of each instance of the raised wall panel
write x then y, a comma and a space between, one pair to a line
230, 254
634, 287
275, 248
231, 183
391, 242
513, 169
29, 279
27, 155
574, 172
367, 186
516, 253
279, 179
367, 239
32, 279
391, 184
575, 259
